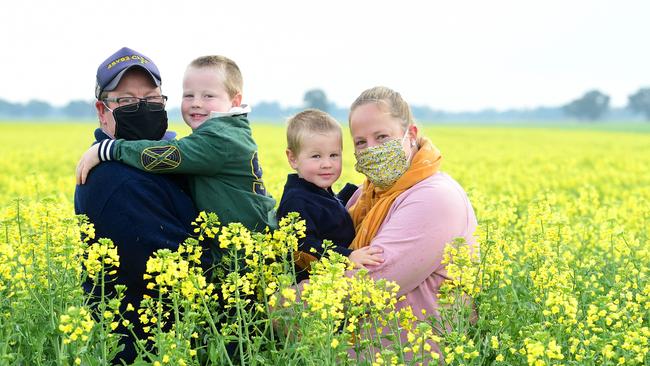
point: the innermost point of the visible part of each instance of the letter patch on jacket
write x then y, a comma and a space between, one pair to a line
160, 158
256, 169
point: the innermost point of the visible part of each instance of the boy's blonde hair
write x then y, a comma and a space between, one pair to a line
383, 96
231, 74
306, 122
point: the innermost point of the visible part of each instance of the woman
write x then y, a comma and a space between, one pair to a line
406, 207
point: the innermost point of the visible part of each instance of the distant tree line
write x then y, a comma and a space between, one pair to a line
76, 109
591, 106
594, 105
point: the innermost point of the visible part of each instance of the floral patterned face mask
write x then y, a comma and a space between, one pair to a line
383, 164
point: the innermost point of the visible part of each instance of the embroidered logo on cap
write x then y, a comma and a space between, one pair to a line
127, 58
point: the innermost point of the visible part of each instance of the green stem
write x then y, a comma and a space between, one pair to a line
239, 311
266, 301
19, 222
399, 338
101, 315
213, 327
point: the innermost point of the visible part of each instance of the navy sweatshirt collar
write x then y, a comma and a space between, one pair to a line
294, 181
100, 135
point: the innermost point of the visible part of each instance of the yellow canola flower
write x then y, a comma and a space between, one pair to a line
562, 228
76, 324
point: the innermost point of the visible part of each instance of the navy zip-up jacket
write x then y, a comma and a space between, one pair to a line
325, 217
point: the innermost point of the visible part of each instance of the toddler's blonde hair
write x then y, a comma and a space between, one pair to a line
307, 122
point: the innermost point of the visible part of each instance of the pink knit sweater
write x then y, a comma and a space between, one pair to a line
413, 236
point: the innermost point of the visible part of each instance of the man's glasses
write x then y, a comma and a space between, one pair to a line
131, 104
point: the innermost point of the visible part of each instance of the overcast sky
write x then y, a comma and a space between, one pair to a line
451, 55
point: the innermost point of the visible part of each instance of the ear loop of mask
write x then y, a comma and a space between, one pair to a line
412, 144
103, 130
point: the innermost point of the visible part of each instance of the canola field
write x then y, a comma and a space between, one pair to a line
562, 277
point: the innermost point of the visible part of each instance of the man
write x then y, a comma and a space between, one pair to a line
141, 212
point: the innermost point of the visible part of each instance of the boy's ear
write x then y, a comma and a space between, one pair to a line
291, 158
236, 101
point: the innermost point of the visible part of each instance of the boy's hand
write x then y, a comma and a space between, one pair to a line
89, 160
366, 256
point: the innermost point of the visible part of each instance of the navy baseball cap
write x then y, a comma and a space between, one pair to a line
110, 72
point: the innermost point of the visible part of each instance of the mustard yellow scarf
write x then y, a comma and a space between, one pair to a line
371, 208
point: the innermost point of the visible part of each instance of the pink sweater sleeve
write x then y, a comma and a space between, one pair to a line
419, 224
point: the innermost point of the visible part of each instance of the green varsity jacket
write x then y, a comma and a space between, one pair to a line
221, 162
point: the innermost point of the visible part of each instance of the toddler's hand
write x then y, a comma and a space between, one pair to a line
366, 256
89, 160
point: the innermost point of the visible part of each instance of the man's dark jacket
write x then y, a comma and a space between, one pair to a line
141, 213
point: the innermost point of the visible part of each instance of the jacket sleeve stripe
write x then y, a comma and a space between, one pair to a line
105, 147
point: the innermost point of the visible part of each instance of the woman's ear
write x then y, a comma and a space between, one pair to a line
413, 134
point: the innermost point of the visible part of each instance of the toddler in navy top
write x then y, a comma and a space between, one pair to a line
314, 146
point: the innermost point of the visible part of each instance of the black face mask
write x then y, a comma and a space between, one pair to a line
142, 124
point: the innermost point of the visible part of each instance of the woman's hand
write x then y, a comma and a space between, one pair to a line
89, 160
367, 256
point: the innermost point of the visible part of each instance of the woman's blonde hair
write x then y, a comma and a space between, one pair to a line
383, 96
307, 122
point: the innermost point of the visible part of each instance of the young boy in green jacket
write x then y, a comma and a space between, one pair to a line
219, 157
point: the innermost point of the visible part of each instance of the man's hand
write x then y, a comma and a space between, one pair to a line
89, 160
366, 256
